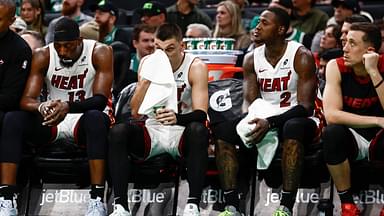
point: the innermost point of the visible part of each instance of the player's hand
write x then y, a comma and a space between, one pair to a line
258, 133
58, 112
166, 116
370, 60
45, 108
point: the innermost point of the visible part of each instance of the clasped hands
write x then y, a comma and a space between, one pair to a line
53, 111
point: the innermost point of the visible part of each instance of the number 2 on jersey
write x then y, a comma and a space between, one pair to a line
285, 96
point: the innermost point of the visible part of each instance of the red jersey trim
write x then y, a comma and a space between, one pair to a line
341, 65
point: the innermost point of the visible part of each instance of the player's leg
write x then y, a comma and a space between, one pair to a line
340, 148
296, 133
195, 151
17, 127
227, 162
124, 139
93, 132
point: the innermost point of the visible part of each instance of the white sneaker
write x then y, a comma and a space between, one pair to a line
119, 210
8, 207
191, 209
96, 208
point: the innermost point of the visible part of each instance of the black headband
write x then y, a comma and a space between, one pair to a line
65, 36
66, 30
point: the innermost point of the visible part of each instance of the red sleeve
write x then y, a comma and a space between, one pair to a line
317, 59
340, 64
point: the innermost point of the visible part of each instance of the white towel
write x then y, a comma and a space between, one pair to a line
164, 138
162, 91
266, 148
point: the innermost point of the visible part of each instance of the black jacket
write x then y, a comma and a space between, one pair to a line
15, 65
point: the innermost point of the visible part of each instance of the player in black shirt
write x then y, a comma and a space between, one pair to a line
354, 109
15, 63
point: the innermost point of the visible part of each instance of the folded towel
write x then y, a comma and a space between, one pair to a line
164, 138
162, 91
266, 148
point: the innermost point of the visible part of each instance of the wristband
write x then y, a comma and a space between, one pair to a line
379, 83
279, 120
96, 102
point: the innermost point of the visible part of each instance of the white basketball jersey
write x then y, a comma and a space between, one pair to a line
71, 83
278, 84
184, 90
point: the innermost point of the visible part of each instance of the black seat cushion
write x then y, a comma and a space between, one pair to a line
123, 109
62, 162
155, 170
62, 149
365, 172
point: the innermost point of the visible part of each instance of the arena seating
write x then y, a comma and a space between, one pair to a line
62, 162
365, 173
126, 14
65, 163
374, 9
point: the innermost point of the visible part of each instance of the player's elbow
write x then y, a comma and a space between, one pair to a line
24, 103
330, 117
